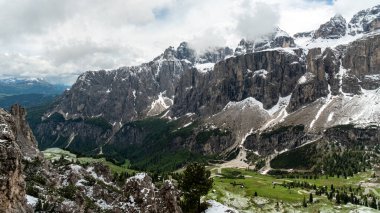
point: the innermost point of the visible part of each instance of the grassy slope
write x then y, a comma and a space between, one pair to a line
114, 168
56, 153
225, 192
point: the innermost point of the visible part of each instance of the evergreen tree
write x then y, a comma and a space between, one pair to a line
311, 198
373, 204
337, 197
304, 204
194, 183
39, 205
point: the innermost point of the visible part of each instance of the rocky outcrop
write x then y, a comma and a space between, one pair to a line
304, 34
12, 184
333, 29
62, 186
144, 197
24, 135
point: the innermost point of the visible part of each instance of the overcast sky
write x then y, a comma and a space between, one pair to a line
59, 39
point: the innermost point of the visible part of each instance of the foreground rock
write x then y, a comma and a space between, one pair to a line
12, 184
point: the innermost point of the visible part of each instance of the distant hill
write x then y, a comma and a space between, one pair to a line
26, 100
15, 86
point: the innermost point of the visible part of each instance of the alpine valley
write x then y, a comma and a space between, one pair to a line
284, 123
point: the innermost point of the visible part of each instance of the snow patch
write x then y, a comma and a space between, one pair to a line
310, 43
160, 104
186, 125
330, 117
31, 200
217, 207
375, 77
102, 204
281, 104
205, 67
246, 103
75, 168
327, 101
307, 77
261, 73
139, 176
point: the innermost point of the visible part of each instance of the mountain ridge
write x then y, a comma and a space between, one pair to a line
284, 84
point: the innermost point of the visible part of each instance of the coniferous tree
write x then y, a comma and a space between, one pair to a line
311, 198
304, 204
39, 205
194, 183
337, 198
373, 204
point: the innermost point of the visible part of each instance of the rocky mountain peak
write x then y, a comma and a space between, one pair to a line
276, 39
333, 29
365, 21
170, 53
213, 55
185, 52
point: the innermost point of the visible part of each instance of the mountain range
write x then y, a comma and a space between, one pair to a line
275, 119
269, 95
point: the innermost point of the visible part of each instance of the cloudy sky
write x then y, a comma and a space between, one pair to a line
59, 39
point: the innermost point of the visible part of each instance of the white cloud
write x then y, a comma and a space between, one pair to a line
59, 39
349, 7
257, 19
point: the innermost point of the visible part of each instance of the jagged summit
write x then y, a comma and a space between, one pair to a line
365, 21
275, 39
186, 53
182, 52
335, 28
337, 31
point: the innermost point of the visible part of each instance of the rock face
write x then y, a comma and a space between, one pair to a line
12, 193
333, 29
362, 61
266, 76
313, 84
12, 184
24, 135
